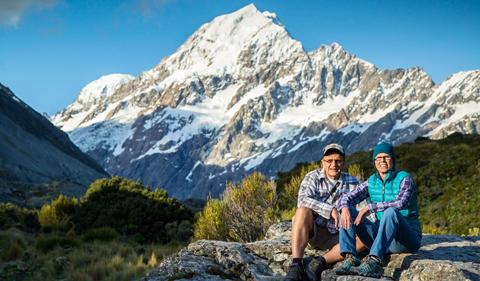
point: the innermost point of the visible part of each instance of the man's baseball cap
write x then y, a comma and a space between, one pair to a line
334, 146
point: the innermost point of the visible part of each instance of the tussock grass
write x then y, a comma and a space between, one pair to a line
101, 234
118, 259
13, 244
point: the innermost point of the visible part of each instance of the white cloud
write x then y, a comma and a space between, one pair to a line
11, 11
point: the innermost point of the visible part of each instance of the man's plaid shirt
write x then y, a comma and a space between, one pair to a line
321, 197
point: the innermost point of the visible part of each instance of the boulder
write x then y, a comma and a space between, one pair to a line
441, 257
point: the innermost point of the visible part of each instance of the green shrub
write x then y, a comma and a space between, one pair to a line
21, 218
131, 209
475, 231
179, 231
184, 230
356, 171
47, 242
243, 214
12, 252
289, 184
47, 216
288, 214
251, 208
13, 244
58, 215
211, 222
101, 234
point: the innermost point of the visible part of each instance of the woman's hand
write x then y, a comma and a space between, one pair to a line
345, 218
361, 215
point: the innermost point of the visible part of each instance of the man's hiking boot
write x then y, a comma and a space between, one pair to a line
371, 267
349, 262
295, 272
315, 268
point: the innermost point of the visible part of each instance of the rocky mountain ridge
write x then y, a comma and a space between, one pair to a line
37, 160
241, 95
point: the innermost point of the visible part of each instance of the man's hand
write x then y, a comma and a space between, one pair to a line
345, 218
334, 216
361, 215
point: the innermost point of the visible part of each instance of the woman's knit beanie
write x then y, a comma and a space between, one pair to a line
384, 147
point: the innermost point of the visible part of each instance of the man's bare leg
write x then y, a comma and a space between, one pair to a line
302, 225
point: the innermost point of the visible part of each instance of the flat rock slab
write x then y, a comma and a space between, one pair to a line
441, 257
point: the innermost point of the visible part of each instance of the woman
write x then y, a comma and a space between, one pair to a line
392, 196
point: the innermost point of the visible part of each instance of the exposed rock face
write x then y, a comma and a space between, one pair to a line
37, 160
441, 257
240, 95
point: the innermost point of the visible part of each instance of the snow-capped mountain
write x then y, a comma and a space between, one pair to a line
91, 96
241, 95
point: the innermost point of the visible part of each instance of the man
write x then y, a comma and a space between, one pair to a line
392, 197
316, 218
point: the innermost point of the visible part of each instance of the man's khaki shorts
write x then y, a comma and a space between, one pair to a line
321, 238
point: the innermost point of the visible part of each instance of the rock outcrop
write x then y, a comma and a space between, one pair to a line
441, 257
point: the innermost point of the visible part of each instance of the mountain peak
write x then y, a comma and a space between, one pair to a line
250, 11
470, 79
90, 95
335, 45
335, 48
102, 87
465, 74
216, 46
247, 10
240, 26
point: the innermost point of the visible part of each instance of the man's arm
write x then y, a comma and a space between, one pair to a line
307, 198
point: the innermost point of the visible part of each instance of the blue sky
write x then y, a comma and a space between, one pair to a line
50, 49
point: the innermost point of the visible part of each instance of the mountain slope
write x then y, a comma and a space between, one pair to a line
241, 95
36, 158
